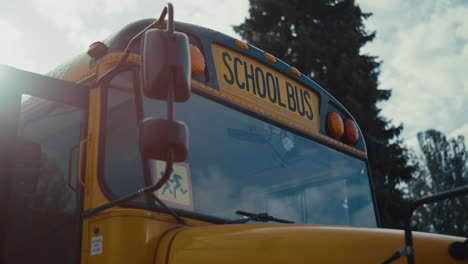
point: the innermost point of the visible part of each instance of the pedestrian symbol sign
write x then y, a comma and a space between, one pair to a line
177, 191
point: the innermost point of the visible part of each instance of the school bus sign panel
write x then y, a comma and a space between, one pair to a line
177, 191
265, 90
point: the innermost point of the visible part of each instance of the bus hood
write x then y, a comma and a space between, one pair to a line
275, 243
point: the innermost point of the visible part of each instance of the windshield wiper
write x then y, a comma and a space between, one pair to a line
262, 217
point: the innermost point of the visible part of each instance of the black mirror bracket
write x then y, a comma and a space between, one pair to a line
457, 250
156, 24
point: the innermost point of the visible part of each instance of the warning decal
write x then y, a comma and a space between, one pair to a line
96, 245
177, 191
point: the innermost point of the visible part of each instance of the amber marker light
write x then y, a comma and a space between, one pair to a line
295, 71
350, 132
241, 44
335, 127
197, 60
97, 50
269, 57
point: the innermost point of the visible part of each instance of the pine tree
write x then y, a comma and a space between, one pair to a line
323, 39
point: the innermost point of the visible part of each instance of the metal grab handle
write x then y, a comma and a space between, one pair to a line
80, 160
70, 163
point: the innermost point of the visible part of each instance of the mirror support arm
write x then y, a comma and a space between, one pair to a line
408, 250
156, 24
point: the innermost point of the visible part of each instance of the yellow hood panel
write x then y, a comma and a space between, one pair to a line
296, 244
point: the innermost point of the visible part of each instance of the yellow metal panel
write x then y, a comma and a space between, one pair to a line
128, 235
297, 244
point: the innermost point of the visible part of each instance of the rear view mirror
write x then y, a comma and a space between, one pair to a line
166, 65
166, 75
158, 137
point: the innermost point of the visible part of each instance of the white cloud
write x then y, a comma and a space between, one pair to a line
218, 15
45, 33
81, 20
9, 30
85, 21
412, 143
425, 51
462, 131
13, 48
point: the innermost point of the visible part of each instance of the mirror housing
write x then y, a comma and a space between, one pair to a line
166, 65
158, 136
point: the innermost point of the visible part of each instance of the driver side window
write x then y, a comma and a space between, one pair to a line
43, 210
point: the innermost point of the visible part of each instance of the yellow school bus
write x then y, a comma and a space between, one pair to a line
272, 168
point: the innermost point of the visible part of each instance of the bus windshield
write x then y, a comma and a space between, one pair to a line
240, 162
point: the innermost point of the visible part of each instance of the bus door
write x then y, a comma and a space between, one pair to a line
42, 122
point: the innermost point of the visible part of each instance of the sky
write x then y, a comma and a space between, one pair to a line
423, 46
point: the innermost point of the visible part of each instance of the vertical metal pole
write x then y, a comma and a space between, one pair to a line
10, 107
409, 245
170, 21
170, 96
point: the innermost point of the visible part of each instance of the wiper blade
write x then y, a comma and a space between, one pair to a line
262, 217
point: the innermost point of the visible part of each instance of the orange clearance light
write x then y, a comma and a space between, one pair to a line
241, 44
269, 57
197, 60
295, 71
351, 133
335, 127
97, 50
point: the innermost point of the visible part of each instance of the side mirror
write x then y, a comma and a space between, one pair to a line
160, 136
166, 65
166, 75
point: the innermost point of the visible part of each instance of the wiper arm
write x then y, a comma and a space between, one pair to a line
262, 217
